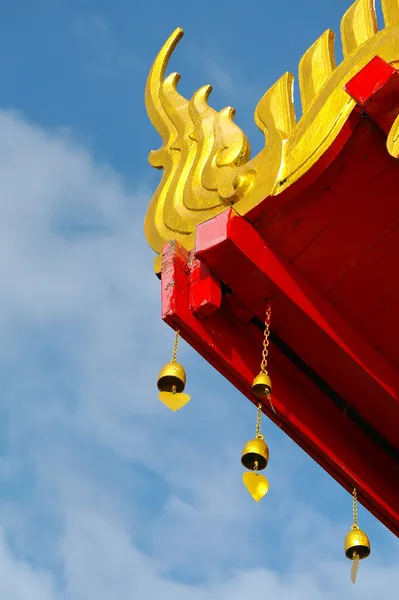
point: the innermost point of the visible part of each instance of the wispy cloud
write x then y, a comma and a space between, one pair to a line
105, 494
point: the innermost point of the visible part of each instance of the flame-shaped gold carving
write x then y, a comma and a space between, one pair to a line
316, 67
197, 143
393, 139
205, 156
358, 25
390, 10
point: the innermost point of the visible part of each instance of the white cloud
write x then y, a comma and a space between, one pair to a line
104, 493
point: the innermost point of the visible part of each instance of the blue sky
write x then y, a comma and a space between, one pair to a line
104, 494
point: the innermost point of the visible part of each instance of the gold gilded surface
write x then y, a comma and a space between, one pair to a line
257, 485
197, 143
315, 67
262, 385
357, 542
174, 400
390, 10
255, 454
205, 156
393, 139
358, 25
172, 375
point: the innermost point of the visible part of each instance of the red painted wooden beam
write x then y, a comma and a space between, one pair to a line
376, 90
302, 410
304, 319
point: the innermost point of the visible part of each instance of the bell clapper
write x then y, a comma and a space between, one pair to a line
172, 381
355, 567
357, 543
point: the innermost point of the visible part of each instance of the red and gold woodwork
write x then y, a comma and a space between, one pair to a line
309, 226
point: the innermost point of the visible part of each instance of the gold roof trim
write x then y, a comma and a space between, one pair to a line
205, 156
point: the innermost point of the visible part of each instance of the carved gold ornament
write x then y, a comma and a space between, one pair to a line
205, 156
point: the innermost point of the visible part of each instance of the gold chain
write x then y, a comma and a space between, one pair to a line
175, 345
258, 420
355, 521
265, 352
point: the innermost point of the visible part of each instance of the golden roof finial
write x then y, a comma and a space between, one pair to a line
205, 156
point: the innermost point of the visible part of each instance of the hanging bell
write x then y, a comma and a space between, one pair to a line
255, 454
172, 378
262, 385
172, 381
357, 544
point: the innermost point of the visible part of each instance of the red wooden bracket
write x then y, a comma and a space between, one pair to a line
376, 90
205, 289
302, 409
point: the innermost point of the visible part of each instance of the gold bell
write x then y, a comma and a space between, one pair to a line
357, 544
172, 381
262, 385
255, 454
172, 378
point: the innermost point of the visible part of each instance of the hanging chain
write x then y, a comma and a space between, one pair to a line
258, 420
175, 345
265, 352
355, 521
